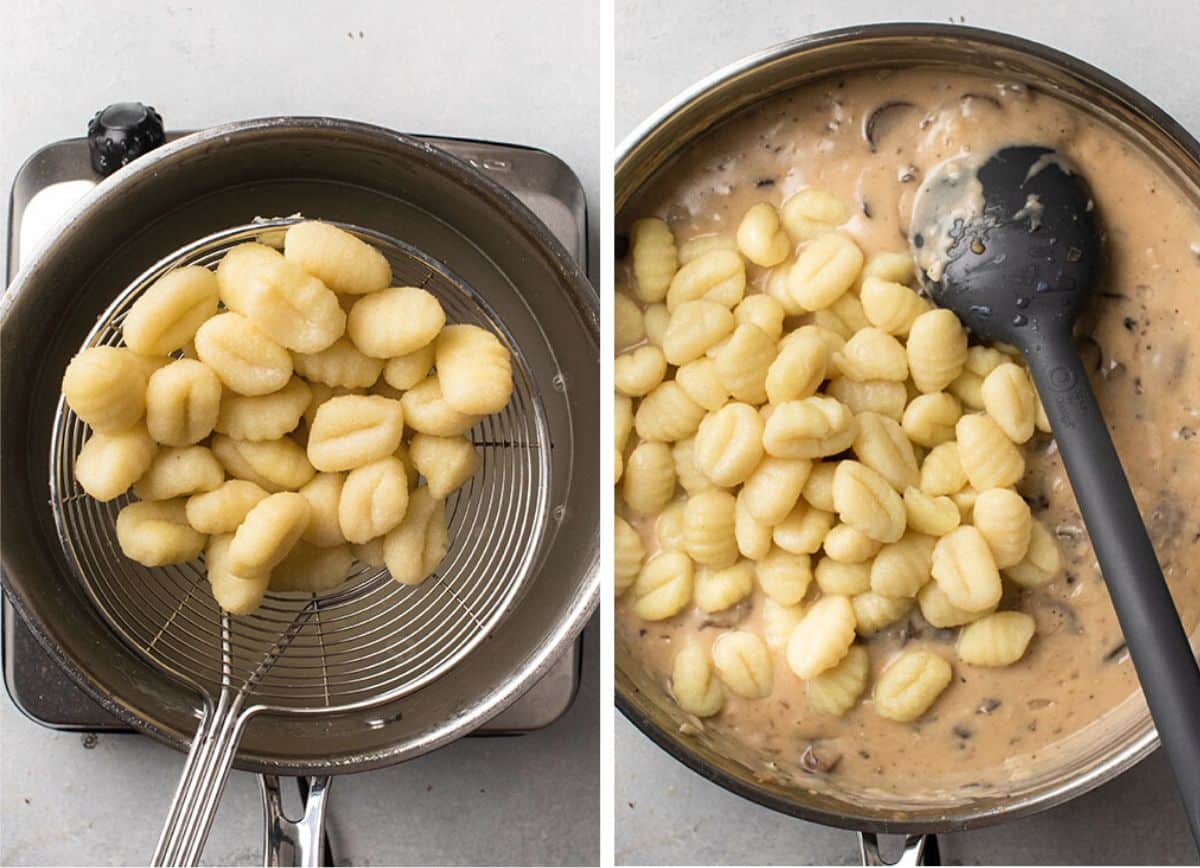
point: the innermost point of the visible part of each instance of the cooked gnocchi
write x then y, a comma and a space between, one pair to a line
258, 411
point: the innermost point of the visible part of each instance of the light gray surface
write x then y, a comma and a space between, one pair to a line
524, 72
665, 814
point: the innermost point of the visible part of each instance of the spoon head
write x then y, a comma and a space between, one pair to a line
1010, 244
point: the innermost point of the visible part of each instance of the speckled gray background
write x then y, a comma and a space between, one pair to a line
665, 814
521, 71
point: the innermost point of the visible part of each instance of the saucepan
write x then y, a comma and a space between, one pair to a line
1079, 764
151, 667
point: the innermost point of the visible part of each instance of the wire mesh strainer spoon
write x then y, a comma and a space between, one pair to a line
367, 643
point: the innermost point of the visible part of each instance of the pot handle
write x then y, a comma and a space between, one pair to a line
918, 850
302, 843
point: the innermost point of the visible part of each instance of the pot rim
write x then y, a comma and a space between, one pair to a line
852, 817
571, 277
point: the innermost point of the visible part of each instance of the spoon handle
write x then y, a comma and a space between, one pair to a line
1154, 635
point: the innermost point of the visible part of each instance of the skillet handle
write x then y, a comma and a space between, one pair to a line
918, 850
302, 843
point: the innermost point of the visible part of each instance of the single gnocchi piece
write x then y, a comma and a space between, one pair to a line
798, 369
324, 495
818, 490
1003, 518
822, 638
283, 300
937, 350
694, 327
865, 500
668, 527
929, 420
890, 306
825, 268
183, 400
996, 640
268, 532
744, 664
836, 690
340, 364
370, 553
667, 414
809, 428
395, 322
265, 417
426, 411
274, 465
910, 684
937, 609
654, 322
109, 463
354, 430
761, 237
246, 360
778, 622
374, 499
718, 590
968, 388
637, 372
834, 577
752, 536
728, 445
872, 354
693, 683
811, 213
882, 445
312, 570
784, 577
964, 568
989, 458
689, 476
849, 310
221, 510
708, 528
701, 382
157, 533
942, 471
891, 265
236, 594
629, 554
763, 311
341, 261
405, 371
982, 360
803, 530
629, 324
445, 462
849, 545
655, 258
935, 516
744, 361
1009, 399
648, 484
718, 276
1042, 562
167, 314
874, 612
902, 568
475, 370
177, 471
663, 587
885, 397
772, 489
414, 548
106, 388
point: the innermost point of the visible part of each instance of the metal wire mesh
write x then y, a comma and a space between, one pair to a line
370, 640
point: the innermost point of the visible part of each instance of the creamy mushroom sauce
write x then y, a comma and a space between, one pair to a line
869, 138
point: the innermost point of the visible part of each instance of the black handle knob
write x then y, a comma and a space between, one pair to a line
122, 132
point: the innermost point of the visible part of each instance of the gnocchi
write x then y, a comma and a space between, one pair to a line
445, 462
167, 315
354, 430
693, 683
910, 684
373, 500
246, 360
109, 463
157, 533
413, 549
395, 322
743, 664
183, 400
341, 261
475, 370
106, 388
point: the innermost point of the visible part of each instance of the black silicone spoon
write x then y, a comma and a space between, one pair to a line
1013, 247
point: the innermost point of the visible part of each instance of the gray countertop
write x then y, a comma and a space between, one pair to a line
469, 69
665, 814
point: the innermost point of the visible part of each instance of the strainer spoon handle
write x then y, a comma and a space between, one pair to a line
194, 805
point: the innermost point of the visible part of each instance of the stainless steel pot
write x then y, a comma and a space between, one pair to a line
1084, 762
342, 171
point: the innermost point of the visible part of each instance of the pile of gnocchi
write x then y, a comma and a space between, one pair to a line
286, 414
839, 445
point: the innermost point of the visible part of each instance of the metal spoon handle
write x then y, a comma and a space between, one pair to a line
1154, 635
